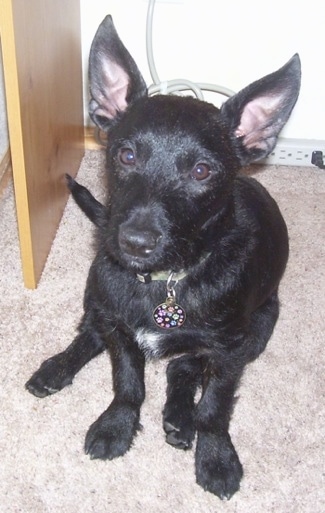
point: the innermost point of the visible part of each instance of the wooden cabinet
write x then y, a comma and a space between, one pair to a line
41, 46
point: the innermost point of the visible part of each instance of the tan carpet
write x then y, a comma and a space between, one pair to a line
278, 424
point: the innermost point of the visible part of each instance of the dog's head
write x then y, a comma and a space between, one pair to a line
172, 160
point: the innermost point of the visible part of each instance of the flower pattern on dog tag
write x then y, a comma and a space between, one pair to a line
169, 314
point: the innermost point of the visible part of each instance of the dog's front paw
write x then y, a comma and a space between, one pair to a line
178, 437
179, 426
218, 469
111, 435
52, 376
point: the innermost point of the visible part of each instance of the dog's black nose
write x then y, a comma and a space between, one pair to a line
138, 243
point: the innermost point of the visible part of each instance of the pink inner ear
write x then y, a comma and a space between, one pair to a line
115, 87
255, 118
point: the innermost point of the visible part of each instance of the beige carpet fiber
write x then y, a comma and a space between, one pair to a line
278, 424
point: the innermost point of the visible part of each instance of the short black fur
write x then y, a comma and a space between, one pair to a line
176, 203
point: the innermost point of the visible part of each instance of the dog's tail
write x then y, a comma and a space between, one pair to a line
93, 209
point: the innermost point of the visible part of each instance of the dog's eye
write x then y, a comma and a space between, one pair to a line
201, 171
127, 156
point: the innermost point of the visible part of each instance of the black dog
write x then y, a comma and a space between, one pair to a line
189, 259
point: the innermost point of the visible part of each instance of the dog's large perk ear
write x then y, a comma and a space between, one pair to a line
256, 115
114, 78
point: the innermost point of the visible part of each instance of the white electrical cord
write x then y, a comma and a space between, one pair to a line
172, 86
169, 86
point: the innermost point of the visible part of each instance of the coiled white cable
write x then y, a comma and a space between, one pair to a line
169, 86
172, 86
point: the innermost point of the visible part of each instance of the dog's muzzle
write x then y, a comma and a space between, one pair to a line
140, 244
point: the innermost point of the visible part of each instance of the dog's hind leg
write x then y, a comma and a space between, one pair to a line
218, 468
59, 370
184, 375
262, 324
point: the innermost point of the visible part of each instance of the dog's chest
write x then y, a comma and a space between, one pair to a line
134, 304
155, 338
152, 337
150, 342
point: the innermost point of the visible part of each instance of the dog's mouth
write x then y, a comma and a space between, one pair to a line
139, 245
139, 249
143, 261
160, 258
145, 243
147, 251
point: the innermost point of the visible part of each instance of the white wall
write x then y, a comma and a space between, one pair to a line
228, 43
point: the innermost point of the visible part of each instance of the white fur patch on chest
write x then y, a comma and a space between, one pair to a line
148, 342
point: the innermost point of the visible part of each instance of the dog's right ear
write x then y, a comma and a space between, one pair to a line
256, 114
114, 78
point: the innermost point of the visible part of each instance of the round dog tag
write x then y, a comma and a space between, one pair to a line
169, 314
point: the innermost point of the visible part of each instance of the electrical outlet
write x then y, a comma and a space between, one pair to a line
294, 152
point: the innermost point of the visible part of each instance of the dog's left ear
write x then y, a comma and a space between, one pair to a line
256, 115
114, 78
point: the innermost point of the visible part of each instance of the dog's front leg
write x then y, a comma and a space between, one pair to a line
184, 375
218, 469
111, 435
58, 371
